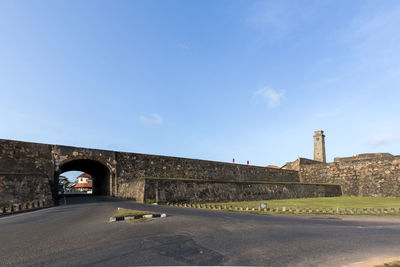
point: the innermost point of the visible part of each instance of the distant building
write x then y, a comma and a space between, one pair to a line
85, 183
272, 166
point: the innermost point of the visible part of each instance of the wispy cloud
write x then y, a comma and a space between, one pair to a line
184, 46
277, 19
382, 139
153, 119
269, 16
273, 97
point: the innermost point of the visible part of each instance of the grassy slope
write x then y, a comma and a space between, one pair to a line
326, 202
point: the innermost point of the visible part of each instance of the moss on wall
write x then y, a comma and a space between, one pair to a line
193, 191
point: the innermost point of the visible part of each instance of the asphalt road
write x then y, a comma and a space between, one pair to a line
79, 234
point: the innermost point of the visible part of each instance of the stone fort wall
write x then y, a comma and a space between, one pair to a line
197, 191
132, 166
362, 175
28, 171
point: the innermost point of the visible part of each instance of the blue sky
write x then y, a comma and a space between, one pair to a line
203, 79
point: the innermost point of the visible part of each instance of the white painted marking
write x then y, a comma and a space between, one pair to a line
148, 216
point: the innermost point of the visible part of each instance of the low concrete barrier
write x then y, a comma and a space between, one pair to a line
295, 210
21, 207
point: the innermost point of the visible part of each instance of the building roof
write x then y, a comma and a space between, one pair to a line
83, 185
85, 175
272, 166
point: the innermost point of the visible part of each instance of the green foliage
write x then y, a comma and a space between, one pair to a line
150, 201
63, 182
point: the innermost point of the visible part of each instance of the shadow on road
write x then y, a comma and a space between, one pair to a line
85, 199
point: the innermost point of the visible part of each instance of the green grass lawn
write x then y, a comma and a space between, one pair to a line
128, 212
323, 202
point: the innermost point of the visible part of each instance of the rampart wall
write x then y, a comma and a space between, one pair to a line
295, 165
195, 191
29, 171
26, 172
132, 167
363, 175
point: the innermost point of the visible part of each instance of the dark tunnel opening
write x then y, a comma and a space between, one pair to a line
98, 171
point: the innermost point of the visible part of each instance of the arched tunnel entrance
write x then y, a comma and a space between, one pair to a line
97, 170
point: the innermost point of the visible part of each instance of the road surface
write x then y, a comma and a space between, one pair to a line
79, 233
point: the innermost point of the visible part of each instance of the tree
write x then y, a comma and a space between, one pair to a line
63, 183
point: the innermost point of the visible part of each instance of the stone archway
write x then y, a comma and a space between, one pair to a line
101, 174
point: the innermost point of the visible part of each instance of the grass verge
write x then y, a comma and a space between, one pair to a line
327, 206
129, 212
323, 202
390, 264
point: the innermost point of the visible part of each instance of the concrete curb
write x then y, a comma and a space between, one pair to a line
291, 210
124, 218
15, 208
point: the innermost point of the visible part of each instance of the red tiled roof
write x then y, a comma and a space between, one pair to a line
85, 175
83, 185
273, 166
